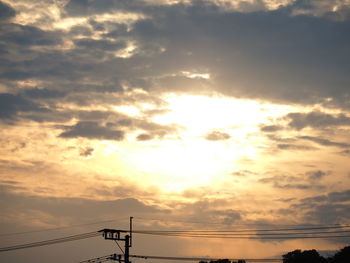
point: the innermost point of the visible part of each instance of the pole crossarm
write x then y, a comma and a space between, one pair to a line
112, 234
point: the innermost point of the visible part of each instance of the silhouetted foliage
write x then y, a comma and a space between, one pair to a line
220, 261
224, 261
342, 256
306, 256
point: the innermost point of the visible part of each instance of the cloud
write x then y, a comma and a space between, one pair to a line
91, 130
28, 36
11, 105
144, 137
210, 210
36, 93
284, 60
6, 11
325, 142
85, 152
296, 147
217, 136
104, 45
270, 128
329, 213
316, 119
74, 208
327, 209
341, 196
243, 173
316, 175
345, 152
309, 180
271, 57
335, 10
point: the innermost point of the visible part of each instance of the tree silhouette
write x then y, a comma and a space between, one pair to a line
342, 256
224, 261
306, 256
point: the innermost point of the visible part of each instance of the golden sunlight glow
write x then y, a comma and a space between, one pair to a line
201, 114
126, 52
196, 75
193, 158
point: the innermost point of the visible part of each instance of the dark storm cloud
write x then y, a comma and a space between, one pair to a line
316, 119
217, 136
92, 130
6, 11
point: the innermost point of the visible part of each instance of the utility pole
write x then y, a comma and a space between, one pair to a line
127, 246
117, 235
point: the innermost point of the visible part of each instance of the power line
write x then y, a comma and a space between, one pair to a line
100, 259
115, 256
251, 230
205, 258
63, 227
248, 236
51, 241
233, 233
235, 225
281, 233
180, 221
262, 237
223, 234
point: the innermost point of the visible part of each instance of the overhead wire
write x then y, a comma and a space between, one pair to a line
243, 230
256, 224
63, 227
227, 233
259, 237
114, 257
205, 258
51, 241
277, 233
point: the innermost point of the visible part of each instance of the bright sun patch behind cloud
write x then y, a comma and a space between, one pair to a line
217, 132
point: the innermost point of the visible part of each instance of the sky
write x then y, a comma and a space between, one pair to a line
186, 114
